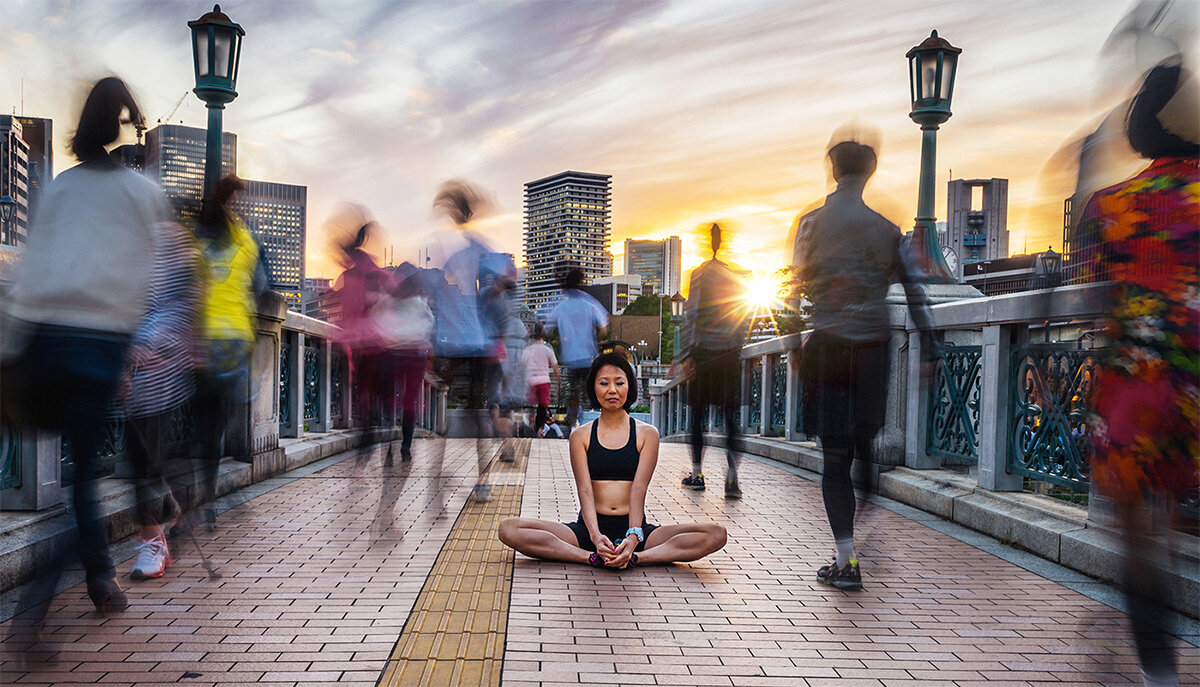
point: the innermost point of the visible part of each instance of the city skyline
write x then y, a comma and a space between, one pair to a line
698, 111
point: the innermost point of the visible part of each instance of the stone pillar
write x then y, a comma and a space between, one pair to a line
37, 460
917, 413
793, 395
262, 411
995, 411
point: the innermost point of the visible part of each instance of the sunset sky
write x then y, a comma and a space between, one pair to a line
699, 110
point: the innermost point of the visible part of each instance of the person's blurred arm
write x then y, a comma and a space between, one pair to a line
912, 279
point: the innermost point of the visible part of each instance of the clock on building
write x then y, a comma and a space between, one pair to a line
951, 259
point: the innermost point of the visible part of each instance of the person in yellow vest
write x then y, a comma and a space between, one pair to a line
234, 277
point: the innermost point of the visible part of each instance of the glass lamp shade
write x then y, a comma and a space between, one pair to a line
7, 207
677, 303
216, 50
931, 68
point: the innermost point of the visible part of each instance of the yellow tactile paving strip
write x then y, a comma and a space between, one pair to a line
456, 631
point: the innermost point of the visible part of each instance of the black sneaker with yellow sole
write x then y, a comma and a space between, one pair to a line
846, 578
695, 483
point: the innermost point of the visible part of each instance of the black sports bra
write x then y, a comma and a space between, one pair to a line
613, 464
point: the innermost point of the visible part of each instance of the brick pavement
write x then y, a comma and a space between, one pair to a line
317, 588
935, 610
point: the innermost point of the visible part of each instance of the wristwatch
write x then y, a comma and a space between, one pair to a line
636, 531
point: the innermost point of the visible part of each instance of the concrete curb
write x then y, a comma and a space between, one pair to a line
1050, 529
30, 540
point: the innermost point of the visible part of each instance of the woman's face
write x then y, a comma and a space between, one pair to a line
612, 387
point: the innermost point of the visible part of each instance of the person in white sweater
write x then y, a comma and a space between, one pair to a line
78, 295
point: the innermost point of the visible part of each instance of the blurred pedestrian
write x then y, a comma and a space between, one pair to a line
715, 329
79, 294
579, 319
541, 366
158, 381
234, 278
847, 256
362, 285
1146, 429
549, 429
466, 340
405, 324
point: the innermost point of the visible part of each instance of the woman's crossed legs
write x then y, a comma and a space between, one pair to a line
556, 541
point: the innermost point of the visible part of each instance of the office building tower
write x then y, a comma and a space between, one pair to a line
977, 222
657, 263
14, 180
276, 214
175, 159
566, 224
616, 293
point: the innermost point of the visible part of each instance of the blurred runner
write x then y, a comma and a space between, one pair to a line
713, 334
848, 255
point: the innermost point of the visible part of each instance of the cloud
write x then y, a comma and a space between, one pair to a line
340, 56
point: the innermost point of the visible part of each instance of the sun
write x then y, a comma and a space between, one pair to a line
761, 291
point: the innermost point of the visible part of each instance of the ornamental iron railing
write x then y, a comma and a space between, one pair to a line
954, 399
10, 457
1050, 388
285, 383
756, 379
336, 386
312, 381
778, 422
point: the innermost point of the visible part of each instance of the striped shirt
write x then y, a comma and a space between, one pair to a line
164, 379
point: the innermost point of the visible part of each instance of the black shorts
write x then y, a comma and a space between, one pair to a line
611, 526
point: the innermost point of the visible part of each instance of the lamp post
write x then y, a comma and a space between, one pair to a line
677, 305
658, 351
216, 49
931, 68
7, 207
1048, 267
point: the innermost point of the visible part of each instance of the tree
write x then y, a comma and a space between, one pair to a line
651, 304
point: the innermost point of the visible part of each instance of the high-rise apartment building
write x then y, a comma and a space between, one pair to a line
14, 180
977, 222
276, 214
658, 263
175, 159
566, 224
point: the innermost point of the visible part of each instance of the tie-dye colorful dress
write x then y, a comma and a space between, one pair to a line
1146, 396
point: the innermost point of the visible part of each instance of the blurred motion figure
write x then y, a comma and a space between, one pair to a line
1146, 429
847, 256
78, 296
714, 332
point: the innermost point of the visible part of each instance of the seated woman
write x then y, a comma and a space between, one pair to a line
612, 486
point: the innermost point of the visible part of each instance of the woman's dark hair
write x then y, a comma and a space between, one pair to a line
539, 332
100, 121
1146, 133
618, 361
461, 201
213, 223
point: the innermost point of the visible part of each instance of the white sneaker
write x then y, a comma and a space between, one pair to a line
152, 559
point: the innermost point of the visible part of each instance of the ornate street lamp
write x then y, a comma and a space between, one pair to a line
1048, 267
7, 207
678, 303
931, 68
216, 49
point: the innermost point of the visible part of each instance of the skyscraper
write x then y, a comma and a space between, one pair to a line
658, 263
277, 215
977, 222
566, 224
175, 159
14, 179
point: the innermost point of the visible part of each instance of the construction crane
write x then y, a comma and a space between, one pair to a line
167, 117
